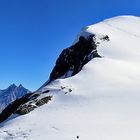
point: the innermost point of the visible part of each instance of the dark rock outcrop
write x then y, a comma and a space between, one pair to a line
72, 59
24, 105
30, 106
11, 108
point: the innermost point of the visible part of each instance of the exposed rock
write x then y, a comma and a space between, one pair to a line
11, 108
43, 101
70, 90
72, 59
28, 107
25, 109
106, 37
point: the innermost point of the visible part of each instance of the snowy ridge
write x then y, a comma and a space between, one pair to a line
101, 102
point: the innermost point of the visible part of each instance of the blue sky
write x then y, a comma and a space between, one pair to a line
34, 32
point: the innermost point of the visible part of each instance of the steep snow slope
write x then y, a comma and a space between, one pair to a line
101, 102
10, 94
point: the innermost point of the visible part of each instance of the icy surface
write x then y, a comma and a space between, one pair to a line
102, 102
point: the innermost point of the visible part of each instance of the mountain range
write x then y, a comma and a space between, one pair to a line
92, 92
10, 94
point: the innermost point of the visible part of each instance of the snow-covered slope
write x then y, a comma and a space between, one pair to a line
101, 102
10, 94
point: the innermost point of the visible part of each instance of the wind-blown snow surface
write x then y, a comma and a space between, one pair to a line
105, 100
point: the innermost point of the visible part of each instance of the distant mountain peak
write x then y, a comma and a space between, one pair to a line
13, 85
10, 94
20, 86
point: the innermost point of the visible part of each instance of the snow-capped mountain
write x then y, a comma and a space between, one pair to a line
10, 94
101, 101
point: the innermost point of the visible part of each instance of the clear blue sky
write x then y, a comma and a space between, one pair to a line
33, 33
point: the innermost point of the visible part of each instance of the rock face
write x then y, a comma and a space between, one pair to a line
10, 109
24, 105
72, 59
31, 105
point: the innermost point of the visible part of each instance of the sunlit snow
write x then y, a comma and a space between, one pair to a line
105, 100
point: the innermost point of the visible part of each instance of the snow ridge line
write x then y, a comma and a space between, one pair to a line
122, 30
